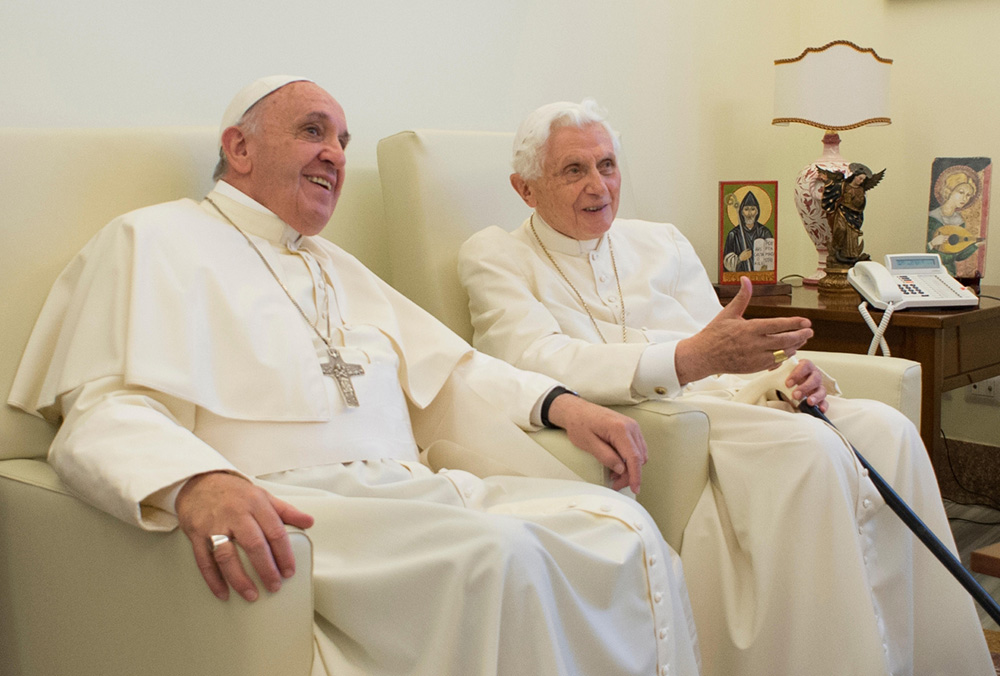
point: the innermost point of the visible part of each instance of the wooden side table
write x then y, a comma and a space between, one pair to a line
986, 560
955, 347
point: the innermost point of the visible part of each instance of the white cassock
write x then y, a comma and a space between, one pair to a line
794, 564
169, 350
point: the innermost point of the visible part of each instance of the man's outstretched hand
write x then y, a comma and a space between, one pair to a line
732, 344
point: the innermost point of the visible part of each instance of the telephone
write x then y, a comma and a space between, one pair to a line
909, 280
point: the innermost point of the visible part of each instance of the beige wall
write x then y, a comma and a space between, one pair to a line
689, 86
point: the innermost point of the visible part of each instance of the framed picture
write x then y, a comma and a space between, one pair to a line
958, 214
748, 231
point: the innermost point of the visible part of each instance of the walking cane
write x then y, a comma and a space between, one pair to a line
775, 381
919, 528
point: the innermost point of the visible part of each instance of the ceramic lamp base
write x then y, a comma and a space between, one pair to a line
808, 195
820, 273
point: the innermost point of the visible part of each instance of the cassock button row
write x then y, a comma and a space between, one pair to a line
864, 472
572, 504
605, 507
652, 560
861, 531
657, 597
867, 503
665, 670
664, 633
604, 278
638, 525
593, 255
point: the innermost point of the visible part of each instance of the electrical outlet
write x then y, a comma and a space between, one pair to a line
987, 389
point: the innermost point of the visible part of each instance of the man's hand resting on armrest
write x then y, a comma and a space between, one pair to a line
614, 439
219, 503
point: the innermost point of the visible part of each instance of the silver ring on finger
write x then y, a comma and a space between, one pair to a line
216, 541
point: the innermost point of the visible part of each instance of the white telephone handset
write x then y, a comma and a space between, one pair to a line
874, 282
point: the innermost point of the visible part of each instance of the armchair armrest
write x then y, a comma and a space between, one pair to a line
126, 601
891, 380
674, 477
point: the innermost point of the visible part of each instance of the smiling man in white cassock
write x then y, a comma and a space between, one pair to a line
219, 367
794, 563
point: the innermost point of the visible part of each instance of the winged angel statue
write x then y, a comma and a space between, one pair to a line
844, 205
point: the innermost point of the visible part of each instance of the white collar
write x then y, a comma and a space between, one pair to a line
271, 228
556, 241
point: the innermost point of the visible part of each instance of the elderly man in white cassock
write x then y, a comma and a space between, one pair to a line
794, 563
218, 366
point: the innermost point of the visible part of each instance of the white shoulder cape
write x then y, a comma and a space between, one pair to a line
160, 296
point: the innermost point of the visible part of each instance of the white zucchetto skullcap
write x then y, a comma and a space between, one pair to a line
251, 94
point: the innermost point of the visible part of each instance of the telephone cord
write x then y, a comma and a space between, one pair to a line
878, 340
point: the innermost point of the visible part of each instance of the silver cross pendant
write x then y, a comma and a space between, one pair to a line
341, 372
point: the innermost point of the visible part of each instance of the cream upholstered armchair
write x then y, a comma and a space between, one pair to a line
81, 593
440, 187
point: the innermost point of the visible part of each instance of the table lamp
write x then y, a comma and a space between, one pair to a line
836, 87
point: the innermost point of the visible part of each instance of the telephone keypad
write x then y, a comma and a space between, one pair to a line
927, 285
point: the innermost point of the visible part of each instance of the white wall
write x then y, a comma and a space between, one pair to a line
689, 86
476, 64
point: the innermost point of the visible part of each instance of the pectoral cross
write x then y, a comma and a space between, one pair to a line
341, 372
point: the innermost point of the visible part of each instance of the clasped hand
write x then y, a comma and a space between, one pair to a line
614, 439
219, 503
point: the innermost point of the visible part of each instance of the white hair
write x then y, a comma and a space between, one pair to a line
534, 132
250, 124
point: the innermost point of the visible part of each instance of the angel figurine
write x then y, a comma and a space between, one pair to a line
844, 205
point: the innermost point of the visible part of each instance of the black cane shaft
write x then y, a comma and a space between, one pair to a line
920, 529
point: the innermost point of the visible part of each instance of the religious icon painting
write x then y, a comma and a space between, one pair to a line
958, 214
748, 231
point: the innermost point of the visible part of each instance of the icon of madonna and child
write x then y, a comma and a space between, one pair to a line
958, 214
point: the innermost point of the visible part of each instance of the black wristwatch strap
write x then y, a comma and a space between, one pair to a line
547, 402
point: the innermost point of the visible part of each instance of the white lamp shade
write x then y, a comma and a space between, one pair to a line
838, 86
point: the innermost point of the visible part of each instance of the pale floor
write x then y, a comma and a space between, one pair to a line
970, 535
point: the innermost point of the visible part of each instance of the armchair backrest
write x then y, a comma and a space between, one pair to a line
57, 188
439, 188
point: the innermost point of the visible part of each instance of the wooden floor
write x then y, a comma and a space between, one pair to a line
970, 536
